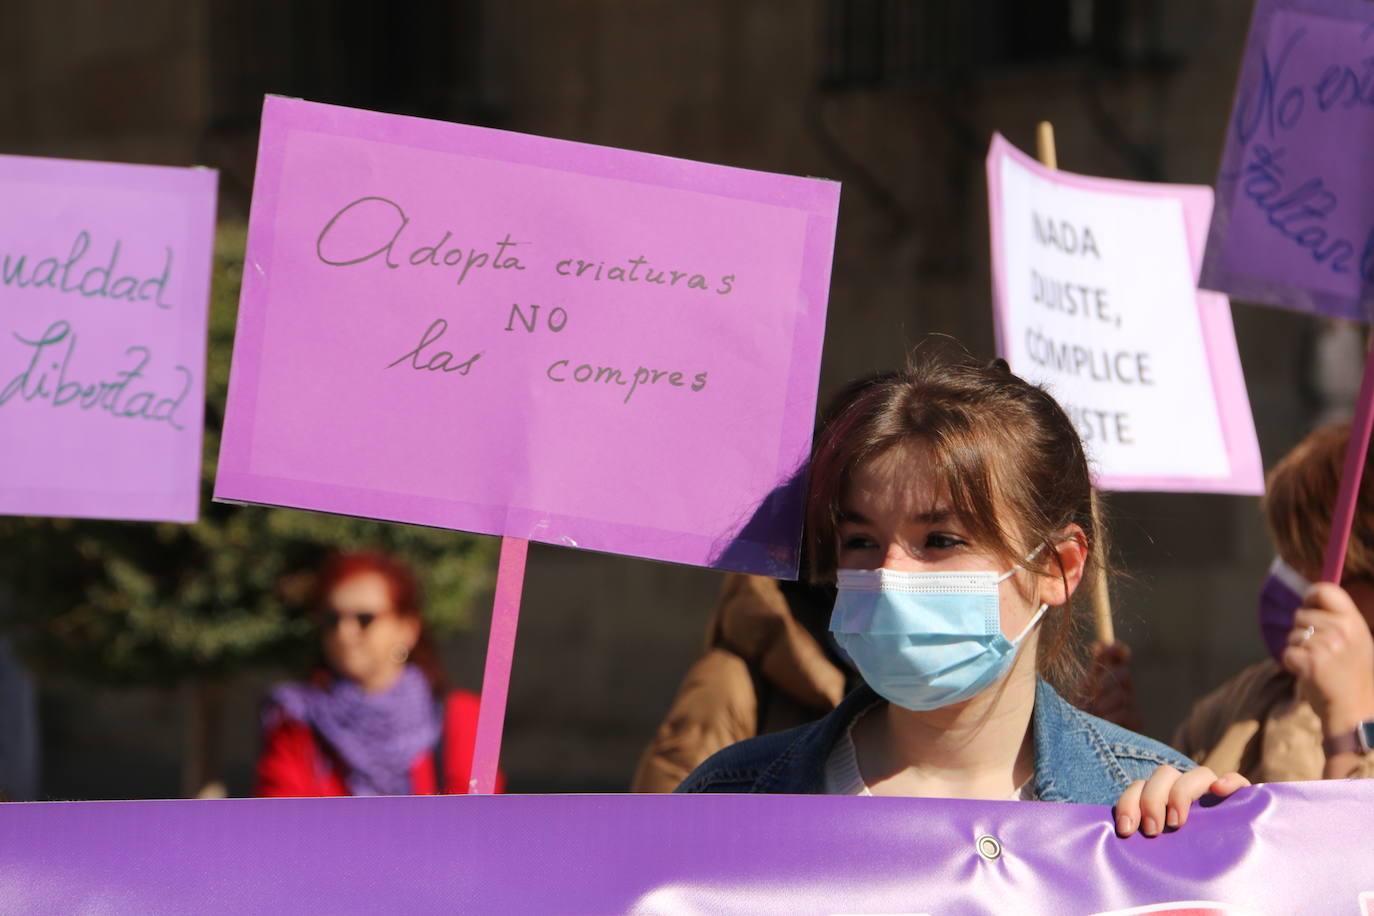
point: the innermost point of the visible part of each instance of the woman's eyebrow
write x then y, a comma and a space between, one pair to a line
936, 516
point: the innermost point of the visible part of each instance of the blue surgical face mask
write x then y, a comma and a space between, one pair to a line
1279, 600
923, 640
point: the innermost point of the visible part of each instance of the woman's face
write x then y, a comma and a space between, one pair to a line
896, 515
365, 640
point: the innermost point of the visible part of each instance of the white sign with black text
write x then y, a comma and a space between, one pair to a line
1096, 299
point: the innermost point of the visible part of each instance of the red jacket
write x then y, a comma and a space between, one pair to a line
294, 765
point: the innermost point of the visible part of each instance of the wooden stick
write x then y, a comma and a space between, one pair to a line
1343, 519
1101, 592
1044, 145
491, 715
1102, 597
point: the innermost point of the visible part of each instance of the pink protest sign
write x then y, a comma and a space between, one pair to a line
104, 290
513, 335
1095, 297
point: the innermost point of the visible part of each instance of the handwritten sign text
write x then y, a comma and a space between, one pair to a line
520, 336
102, 337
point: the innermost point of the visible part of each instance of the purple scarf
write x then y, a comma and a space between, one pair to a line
378, 735
1279, 600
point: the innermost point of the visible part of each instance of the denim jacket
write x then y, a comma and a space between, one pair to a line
1078, 757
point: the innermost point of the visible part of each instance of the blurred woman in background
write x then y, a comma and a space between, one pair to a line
768, 666
375, 718
1307, 712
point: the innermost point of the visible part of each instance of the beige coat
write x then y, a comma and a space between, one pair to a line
762, 672
1256, 725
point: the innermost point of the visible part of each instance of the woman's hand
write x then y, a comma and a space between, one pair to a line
1164, 799
1331, 653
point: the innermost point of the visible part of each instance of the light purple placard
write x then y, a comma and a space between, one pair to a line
468, 377
104, 292
1285, 848
1294, 222
1196, 388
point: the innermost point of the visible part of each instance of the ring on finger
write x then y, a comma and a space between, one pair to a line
1309, 633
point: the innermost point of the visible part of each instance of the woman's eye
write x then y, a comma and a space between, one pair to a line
942, 541
858, 542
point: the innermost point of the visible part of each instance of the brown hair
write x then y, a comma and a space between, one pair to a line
406, 601
1300, 498
1006, 452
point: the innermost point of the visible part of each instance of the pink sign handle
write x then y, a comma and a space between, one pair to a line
505, 615
1355, 453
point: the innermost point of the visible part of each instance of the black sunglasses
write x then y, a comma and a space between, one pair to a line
331, 620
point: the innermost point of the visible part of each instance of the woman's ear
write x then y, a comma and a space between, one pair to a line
410, 627
1071, 551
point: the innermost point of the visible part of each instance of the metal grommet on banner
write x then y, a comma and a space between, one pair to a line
989, 847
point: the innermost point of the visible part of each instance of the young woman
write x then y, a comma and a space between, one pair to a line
952, 506
375, 719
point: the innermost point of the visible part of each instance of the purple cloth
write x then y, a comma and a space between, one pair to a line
378, 735
1279, 600
1293, 224
1285, 848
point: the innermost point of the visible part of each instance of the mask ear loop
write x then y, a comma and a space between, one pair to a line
1033, 621
1043, 606
1015, 566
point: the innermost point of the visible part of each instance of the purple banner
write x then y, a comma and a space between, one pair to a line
1294, 220
1289, 848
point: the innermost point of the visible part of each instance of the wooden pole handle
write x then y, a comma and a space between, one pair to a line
1101, 592
1102, 597
1044, 145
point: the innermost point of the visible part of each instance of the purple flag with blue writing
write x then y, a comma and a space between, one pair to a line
1294, 220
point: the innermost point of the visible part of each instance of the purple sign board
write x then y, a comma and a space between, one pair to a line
104, 291
475, 329
1280, 849
1294, 221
